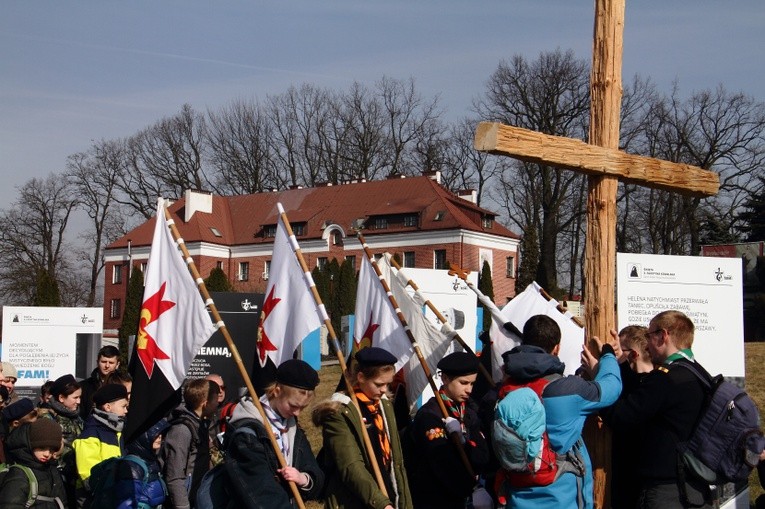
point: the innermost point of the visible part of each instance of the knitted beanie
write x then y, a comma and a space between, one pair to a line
45, 433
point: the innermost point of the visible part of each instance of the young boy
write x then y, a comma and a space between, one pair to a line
101, 436
34, 446
185, 454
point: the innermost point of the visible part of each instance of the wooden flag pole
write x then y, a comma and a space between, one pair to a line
336, 345
455, 439
483, 299
232, 348
441, 318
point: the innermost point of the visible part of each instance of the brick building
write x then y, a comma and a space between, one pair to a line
427, 225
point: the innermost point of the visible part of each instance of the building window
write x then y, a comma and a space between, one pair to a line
266, 270
321, 262
408, 258
439, 259
381, 223
298, 229
337, 238
269, 231
117, 274
244, 271
410, 220
114, 308
351, 259
510, 266
219, 265
487, 222
143, 266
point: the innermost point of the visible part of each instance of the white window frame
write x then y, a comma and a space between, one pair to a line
244, 271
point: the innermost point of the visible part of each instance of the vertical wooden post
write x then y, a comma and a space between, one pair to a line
600, 250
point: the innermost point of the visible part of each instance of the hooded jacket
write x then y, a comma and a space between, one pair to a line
251, 462
568, 401
131, 490
185, 456
14, 491
350, 481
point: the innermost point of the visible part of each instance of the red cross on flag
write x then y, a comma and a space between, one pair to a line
289, 312
174, 324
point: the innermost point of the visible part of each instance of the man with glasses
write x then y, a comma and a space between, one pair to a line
662, 412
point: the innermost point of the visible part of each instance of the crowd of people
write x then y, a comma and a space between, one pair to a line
442, 458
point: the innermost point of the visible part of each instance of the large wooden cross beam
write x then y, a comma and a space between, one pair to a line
605, 165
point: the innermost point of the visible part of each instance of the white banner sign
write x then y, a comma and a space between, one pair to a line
706, 289
41, 342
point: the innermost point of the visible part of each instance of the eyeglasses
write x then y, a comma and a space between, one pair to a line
654, 331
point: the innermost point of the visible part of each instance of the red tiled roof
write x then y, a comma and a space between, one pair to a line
240, 219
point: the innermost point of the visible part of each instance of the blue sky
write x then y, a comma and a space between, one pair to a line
74, 72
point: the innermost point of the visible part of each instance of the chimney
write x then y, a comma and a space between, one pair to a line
470, 195
433, 175
197, 201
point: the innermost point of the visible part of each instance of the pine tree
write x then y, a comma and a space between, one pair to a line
346, 291
754, 214
132, 314
529, 259
47, 293
218, 282
486, 287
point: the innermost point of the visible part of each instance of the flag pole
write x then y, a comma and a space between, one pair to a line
336, 345
454, 270
442, 319
455, 439
231, 346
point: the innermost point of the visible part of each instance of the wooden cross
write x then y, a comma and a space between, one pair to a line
605, 165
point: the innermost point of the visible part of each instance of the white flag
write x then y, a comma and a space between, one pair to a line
376, 323
174, 321
289, 312
433, 342
525, 305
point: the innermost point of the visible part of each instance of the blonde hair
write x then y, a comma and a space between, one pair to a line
635, 337
679, 326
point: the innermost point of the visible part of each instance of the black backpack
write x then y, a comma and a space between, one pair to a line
727, 441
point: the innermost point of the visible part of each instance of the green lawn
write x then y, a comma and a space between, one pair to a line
755, 386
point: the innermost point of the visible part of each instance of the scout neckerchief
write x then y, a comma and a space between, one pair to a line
685, 353
371, 411
279, 425
456, 410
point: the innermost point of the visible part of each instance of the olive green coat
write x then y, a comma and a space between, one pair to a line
350, 481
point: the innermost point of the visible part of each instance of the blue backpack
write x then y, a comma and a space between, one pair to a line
727, 441
103, 481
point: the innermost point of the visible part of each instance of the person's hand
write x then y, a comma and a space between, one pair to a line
589, 361
452, 425
292, 474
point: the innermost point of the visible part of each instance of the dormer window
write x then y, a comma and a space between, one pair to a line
381, 223
410, 220
269, 231
487, 222
439, 215
298, 229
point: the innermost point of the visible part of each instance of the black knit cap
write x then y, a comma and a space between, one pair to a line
108, 393
374, 356
18, 409
458, 364
60, 384
298, 374
45, 433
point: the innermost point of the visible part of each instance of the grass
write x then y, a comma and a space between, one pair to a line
755, 386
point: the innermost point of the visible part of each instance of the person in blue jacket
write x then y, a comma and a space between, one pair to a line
567, 400
136, 487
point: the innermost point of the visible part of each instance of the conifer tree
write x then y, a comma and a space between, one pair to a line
218, 282
529, 260
486, 287
46, 290
132, 313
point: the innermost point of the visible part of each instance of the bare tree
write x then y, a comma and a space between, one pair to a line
240, 139
32, 236
165, 159
94, 176
549, 95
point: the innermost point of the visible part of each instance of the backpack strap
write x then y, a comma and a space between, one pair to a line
32, 480
707, 380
